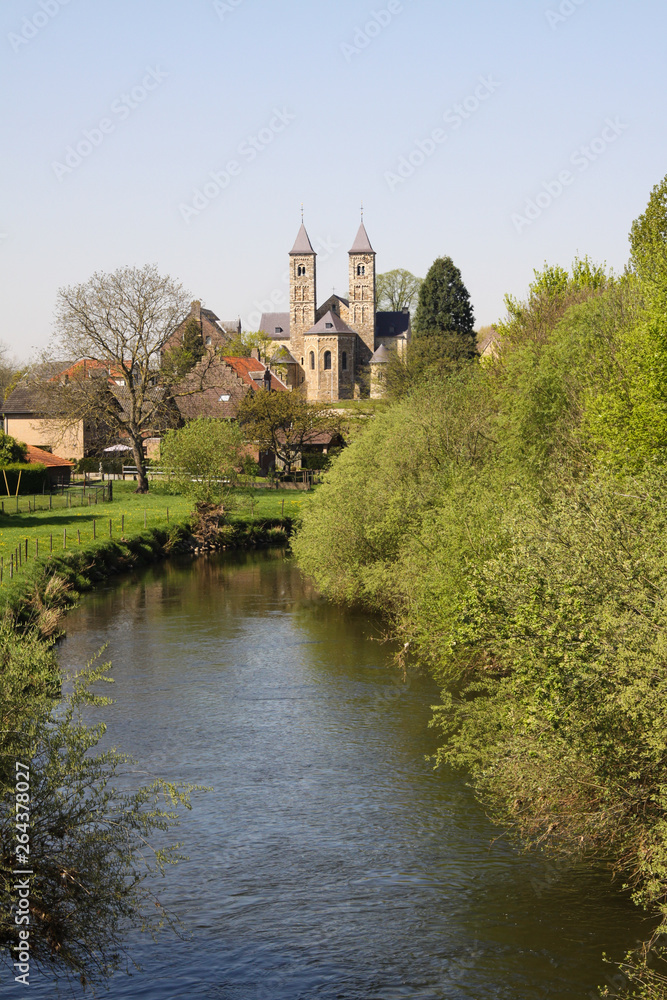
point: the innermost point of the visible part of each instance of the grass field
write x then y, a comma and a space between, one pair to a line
127, 515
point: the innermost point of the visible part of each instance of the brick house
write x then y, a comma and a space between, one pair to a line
214, 332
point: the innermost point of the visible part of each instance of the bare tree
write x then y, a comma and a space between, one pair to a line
118, 324
10, 371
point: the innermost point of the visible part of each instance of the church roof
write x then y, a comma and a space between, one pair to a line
362, 244
381, 356
330, 324
392, 324
302, 243
275, 325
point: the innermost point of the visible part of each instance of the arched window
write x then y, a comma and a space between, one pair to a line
327, 361
361, 269
300, 271
344, 361
312, 360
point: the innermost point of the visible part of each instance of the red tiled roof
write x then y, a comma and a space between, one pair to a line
87, 365
243, 367
45, 457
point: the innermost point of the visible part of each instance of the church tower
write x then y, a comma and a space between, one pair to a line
302, 292
362, 293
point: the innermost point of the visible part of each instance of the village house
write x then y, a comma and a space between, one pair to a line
27, 416
28, 412
214, 333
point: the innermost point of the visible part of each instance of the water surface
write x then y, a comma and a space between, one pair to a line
329, 861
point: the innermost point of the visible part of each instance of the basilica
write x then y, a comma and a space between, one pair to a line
336, 350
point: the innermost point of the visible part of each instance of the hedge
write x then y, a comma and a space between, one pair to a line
33, 478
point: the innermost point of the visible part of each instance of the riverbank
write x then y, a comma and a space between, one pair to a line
49, 557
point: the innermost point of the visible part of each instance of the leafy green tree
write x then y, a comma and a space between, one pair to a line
11, 450
397, 290
648, 242
550, 294
91, 842
428, 358
444, 304
283, 422
242, 345
178, 361
205, 456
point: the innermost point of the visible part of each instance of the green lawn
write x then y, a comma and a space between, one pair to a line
129, 513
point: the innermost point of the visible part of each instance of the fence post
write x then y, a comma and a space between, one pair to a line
78, 535
11, 568
167, 515
50, 501
282, 508
26, 550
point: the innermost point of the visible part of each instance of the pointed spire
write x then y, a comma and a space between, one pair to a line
302, 243
362, 244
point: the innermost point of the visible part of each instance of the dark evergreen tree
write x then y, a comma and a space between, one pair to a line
444, 306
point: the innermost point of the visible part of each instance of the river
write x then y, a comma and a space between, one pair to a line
329, 860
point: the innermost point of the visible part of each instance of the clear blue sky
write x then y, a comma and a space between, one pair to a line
335, 95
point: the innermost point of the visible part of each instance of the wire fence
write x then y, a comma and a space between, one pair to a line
62, 498
16, 554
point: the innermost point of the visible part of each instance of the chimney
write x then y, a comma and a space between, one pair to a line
255, 354
195, 310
